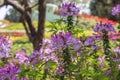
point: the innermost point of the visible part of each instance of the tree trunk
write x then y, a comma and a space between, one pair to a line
41, 19
34, 35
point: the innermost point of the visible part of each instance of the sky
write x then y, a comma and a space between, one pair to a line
3, 11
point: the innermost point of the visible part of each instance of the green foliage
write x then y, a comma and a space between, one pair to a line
22, 43
19, 26
86, 23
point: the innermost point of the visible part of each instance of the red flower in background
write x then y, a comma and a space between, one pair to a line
104, 20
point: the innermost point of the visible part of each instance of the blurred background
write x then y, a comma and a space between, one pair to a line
100, 8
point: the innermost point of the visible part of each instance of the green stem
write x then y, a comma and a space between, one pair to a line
67, 61
106, 46
69, 23
44, 75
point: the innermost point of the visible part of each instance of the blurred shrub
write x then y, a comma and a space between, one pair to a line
102, 8
88, 22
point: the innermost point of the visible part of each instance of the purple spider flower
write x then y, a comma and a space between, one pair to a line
46, 53
21, 57
35, 56
108, 27
57, 41
90, 41
5, 47
63, 40
116, 10
97, 37
9, 72
69, 9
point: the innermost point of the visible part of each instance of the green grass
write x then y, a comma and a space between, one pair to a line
22, 43
15, 26
19, 26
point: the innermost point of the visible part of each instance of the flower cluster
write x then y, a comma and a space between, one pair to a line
9, 72
116, 10
69, 9
35, 57
5, 46
21, 57
101, 27
46, 53
61, 41
90, 41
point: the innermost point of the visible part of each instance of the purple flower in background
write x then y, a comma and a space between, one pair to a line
77, 46
97, 37
107, 72
24, 78
101, 60
116, 10
90, 41
46, 53
21, 57
117, 50
5, 47
69, 9
101, 27
35, 56
109, 27
59, 70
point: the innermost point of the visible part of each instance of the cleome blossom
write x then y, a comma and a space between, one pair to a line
9, 72
107, 27
116, 10
5, 46
69, 9
63, 40
22, 57
44, 54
